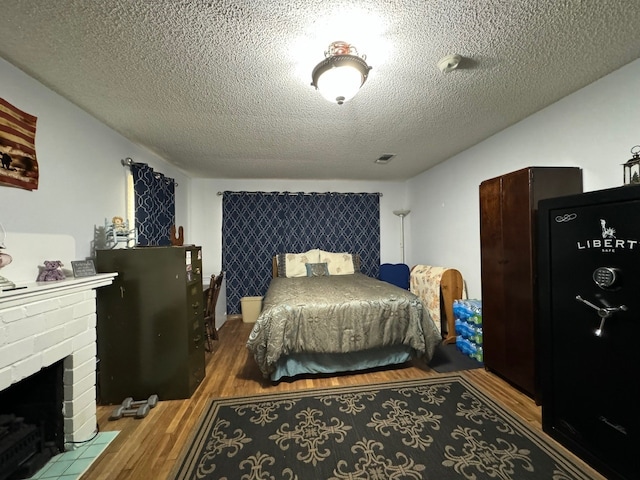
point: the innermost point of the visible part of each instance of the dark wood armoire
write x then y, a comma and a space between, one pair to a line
508, 207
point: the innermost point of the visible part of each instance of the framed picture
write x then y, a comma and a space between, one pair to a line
18, 165
83, 268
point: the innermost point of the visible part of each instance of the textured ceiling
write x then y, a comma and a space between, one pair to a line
222, 89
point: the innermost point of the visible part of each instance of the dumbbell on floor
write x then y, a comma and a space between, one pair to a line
129, 402
120, 412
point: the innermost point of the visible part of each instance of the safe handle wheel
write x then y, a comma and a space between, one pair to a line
603, 312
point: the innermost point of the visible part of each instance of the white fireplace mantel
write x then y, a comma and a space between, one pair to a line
46, 322
26, 291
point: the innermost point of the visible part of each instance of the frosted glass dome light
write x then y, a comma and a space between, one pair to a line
341, 74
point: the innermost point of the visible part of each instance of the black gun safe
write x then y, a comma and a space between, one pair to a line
589, 326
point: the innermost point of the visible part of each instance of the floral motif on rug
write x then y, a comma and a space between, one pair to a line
434, 428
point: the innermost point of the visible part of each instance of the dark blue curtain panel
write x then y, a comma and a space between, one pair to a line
258, 225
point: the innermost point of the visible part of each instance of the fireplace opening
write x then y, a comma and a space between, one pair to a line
31, 422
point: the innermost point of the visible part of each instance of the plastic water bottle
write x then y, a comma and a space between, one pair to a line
465, 346
459, 309
463, 329
465, 309
478, 355
477, 336
471, 349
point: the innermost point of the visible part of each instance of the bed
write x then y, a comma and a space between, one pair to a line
321, 315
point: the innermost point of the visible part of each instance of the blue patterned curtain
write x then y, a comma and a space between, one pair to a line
258, 225
155, 205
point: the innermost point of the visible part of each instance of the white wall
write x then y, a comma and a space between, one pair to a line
206, 210
593, 128
206, 207
82, 181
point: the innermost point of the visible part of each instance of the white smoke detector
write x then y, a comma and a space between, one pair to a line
449, 63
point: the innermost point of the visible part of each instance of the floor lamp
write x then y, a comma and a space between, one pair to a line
402, 214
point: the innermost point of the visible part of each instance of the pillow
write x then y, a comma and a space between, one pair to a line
338, 263
317, 270
293, 264
356, 262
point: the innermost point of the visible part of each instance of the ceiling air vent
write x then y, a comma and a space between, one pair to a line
384, 159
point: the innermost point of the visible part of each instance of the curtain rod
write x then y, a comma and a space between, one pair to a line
300, 193
128, 162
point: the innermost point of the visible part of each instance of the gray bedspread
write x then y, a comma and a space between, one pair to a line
338, 314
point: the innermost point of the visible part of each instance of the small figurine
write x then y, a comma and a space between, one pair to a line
177, 240
51, 271
118, 225
118, 231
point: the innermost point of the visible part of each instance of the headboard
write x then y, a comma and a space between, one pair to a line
274, 264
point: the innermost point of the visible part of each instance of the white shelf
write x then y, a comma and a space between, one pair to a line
25, 291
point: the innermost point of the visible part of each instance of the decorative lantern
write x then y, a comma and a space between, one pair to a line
632, 167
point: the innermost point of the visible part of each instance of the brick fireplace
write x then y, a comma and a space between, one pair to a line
44, 323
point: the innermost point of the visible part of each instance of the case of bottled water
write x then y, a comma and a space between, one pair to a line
468, 324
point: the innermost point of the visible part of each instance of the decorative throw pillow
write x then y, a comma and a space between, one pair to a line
338, 263
281, 260
317, 270
356, 261
293, 264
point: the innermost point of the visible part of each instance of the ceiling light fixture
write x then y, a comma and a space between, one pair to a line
341, 74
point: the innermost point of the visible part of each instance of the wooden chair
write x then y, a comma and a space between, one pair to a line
210, 311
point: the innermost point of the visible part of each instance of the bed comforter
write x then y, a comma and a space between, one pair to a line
338, 314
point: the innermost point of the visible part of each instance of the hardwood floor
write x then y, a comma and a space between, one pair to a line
149, 448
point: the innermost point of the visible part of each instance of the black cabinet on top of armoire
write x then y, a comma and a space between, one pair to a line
150, 324
508, 205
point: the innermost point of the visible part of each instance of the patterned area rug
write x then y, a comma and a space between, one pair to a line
435, 428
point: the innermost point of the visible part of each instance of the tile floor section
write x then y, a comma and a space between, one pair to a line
72, 464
